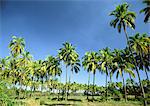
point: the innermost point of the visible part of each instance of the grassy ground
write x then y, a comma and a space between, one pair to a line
72, 101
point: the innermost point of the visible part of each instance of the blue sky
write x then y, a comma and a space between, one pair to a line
45, 25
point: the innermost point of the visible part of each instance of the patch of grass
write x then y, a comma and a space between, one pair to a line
75, 101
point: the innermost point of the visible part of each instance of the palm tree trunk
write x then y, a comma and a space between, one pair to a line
26, 96
66, 84
69, 85
106, 85
60, 83
145, 102
147, 77
59, 88
69, 81
124, 86
130, 76
42, 85
88, 86
137, 71
93, 86
110, 77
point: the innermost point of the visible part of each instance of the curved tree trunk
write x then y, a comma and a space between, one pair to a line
137, 71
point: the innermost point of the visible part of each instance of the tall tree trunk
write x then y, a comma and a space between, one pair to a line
66, 84
130, 76
93, 86
137, 71
124, 86
70, 81
88, 87
147, 77
42, 86
145, 102
59, 88
106, 85
110, 76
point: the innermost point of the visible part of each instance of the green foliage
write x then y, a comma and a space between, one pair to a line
37, 78
146, 11
4, 96
123, 17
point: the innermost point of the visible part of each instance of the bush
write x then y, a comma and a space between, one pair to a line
4, 97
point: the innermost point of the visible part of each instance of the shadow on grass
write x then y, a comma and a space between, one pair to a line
57, 104
93, 100
60, 99
78, 100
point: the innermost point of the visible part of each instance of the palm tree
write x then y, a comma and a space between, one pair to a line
42, 72
125, 18
122, 66
17, 46
53, 67
24, 63
139, 44
36, 73
87, 67
146, 11
90, 62
4, 68
26, 58
105, 63
68, 55
74, 68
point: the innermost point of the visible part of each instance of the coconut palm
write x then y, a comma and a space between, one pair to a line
139, 44
42, 72
17, 45
146, 10
87, 66
125, 18
90, 63
35, 74
53, 68
25, 59
105, 63
68, 55
24, 62
75, 67
4, 68
122, 67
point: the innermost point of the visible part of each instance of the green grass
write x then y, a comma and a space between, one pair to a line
73, 101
